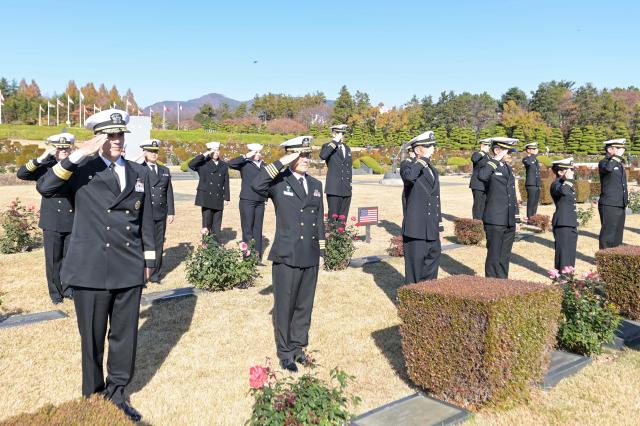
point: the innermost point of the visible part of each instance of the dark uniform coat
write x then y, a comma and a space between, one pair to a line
248, 172
213, 187
478, 159
161, 192
339, 169
532, 169
565, 223
406, 185
614, 197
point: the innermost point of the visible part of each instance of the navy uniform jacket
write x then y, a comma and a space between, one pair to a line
299, 240
478, 158
613, 181
113, 232
564, 197
423, 217
501, 207
161, 192
213, 187
248, 172
406, 186
56, 213
532, 168
338, 169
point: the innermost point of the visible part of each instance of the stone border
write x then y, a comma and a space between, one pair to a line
164, 295
27, 319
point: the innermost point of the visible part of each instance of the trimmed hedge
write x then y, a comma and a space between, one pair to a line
583, 191
396, 246
93, 411
184, 166
472, 340
595, 188
545, 192
458, 161
542, 221
356, 163
619, 268
468, 231
523, 191
372, 164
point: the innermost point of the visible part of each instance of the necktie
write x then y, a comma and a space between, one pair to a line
153, 167
112, 166
342, 149
301, 180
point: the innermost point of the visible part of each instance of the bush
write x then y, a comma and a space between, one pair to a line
396, 246
523, 190
356, 163
588, 319
20, 228
619, 268
583, 191
93, 411
542, 221
458, 161
184, 166
286, 126
372, 164
473, 340
468, 231
299, 400
339, 244
634, 201
544, 160
213, 267
584, 215
594, 186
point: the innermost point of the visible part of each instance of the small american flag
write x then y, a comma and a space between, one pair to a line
367, 215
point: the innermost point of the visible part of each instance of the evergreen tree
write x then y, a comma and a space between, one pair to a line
555, 141
344, 107
441, 137
589, 141
574, 143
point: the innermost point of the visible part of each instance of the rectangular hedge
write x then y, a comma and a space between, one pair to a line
473, 340
583, 191
619, 268
468, 231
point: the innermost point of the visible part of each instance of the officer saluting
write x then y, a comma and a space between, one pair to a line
161, 200
565, 219
479, 158
501, 218
532, 179
297, 247
251, 203
213, 188
111, 243
613, 196
56, 213
422, 221
337, 155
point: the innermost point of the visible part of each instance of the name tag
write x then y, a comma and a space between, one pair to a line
165, 174
615, 168
288, 193
139, 186
316, 193
498, 173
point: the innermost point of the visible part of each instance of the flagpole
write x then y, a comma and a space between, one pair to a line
48, 124
164, 123
68, 111
80, 110
178, 115
39, 115
57, 112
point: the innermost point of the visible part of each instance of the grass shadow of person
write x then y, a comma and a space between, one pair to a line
165, 324
636, 230
386, 277
392, 228
549, 244
174, 256
389, 341
454, 267
528, 264
227, 234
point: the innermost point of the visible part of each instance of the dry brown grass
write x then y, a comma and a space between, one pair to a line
194, 354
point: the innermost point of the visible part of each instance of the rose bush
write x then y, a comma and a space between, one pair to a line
340, 237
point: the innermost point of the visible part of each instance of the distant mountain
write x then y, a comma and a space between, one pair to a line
192, 106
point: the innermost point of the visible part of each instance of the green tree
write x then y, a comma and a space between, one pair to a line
574, 143
555, 140
344, 107
516, 95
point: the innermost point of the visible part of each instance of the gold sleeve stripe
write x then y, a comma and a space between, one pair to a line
322, 244
568, 183
421, 161
272, 171
492, 164
31, 166
61, 172
150, 255
332, 145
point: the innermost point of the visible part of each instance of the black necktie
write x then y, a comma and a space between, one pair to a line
153, 167
112, 166
301, 180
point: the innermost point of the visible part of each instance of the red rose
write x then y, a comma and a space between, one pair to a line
353, 218
341, 217
326, 215
258, 375
341, 230
334, 215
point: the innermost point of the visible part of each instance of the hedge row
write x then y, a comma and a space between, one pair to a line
472, 341
372, 164
585, 190
468, 231
619, 268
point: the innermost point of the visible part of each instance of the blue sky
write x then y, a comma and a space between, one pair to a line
393, 49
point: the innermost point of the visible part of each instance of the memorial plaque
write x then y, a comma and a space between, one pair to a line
161, 296
563, 364
26, 319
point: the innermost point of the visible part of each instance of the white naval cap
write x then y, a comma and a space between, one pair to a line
213, 145
62, 140
485, 141
339, 128
531, 145
108, 121
427, 138
504, 142
566, 163
298, 144
615, 143
152, 145
255, 147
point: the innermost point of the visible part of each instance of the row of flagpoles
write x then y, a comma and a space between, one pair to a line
82, 111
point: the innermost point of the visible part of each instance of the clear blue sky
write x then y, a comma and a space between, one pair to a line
179, 50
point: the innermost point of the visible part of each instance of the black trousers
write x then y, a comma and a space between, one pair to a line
499, 244
421, 259
212, 220
479, 200
294, 290
119, 309
611, 225
55, 248
566, 240
338, 205
533, 197
159, 231
251, 219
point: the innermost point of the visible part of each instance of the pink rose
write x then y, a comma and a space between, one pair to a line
243, 246
553, 273
341, 230
341, 217
567, 270
258, 376
334, 215
248, 253
326, 215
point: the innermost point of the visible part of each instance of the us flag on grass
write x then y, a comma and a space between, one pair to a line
367, 215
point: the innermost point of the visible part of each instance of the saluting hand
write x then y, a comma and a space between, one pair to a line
289, 158
170, 218
250, 155
93, 145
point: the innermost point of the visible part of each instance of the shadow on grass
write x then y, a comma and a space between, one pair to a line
589, 234
386, 277
9, 313
636, 230
227, 234
389, 342
528, 264
174, 256
549, 244
391, 227
165, 324
454, 267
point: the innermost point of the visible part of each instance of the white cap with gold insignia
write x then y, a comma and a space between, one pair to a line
62, 140
298, 144
213, 145
108, 121
254, 147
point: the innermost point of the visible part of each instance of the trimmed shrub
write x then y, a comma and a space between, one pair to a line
396, 246
458, 161
583, 191
468, 231
184, 166
545, 192
356, 163
594, 186
473, 340
372, 164
542, 221
544, 160
634, 201
339, 243
19, 225
93, 411
523, 191
619, 268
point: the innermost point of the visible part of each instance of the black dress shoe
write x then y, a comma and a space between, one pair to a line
57, 301
301, 358
129, 411
289, 364
154, 282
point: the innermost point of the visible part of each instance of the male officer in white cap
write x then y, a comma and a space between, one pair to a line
501, 217
422, 222
111, 251
337, 156
614, 195
478, 189
532, 178
297, 247
565, 218
213, 189
161, 199
251, 203
56, 213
